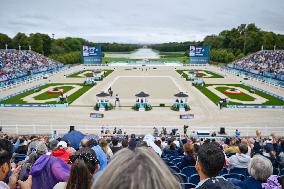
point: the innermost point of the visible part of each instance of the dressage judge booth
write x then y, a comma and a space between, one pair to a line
103, 103
142, 101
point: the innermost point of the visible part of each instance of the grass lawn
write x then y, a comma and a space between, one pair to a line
46, 95
242, 96
171, 54
129, 52
18, 99
182, 73
214, 75
77, 74
180, 59
109, 59
107, 72
215, 99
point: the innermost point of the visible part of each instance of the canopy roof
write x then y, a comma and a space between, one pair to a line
142, 94
181, 95
102, 94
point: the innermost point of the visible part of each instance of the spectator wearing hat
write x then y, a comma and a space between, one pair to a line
61, 152
83, 172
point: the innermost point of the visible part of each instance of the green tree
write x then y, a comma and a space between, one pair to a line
20, 39
4, 39
269, 40
36, 43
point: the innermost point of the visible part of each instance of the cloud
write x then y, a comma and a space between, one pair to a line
147, 21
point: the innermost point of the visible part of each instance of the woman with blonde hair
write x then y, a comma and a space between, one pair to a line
104, 145
139, 169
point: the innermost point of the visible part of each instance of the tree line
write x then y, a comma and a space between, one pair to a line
65, 50
232, 44
227, 46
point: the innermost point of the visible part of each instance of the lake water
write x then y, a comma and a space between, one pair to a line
143, 53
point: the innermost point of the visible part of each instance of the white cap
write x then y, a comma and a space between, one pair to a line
62, 144
150, 142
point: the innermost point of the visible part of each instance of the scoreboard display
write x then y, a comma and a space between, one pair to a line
199, 54
92, 55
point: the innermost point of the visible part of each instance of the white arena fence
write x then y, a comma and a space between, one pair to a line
41, 129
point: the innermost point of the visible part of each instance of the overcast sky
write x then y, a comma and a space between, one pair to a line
137, 21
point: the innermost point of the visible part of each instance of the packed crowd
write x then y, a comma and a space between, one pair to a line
78, 161
262, 62
19, 63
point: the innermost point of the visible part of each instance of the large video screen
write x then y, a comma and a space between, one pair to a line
199, 54
92, 55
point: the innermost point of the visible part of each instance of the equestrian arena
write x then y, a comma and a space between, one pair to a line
161, 83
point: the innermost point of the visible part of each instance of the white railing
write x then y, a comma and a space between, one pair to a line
138, 129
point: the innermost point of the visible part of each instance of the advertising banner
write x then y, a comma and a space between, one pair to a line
199, 54
92, 55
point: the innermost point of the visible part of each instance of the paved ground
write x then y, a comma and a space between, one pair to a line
162, 83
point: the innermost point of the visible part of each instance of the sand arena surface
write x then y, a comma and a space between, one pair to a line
161, 83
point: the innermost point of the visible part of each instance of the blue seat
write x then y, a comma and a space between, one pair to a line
165, 159
176, 161
276, 171
172, 157
175, 169
234, 175
194, 179
188, 185
223, 171
170, 164
242, 171
163, 156
178, 164
188, 171
182, 178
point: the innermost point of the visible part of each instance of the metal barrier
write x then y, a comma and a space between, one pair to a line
247, 130
32, 78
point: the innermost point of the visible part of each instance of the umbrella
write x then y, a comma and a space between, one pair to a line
74, 137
